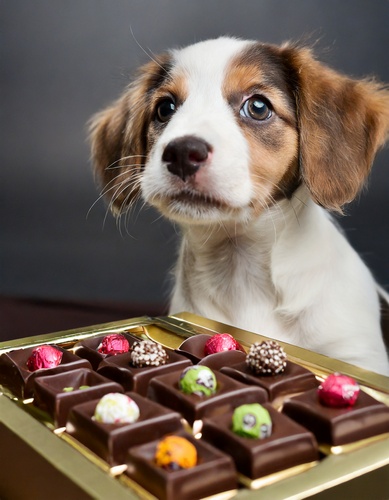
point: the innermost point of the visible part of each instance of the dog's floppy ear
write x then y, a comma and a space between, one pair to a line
342, 122
118, 137
107, 130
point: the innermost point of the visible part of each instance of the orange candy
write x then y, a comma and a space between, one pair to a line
175, 452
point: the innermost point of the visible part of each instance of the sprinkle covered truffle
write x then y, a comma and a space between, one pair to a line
175, 453
147, 353
266, 358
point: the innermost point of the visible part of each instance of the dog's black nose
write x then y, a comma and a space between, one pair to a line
184, 156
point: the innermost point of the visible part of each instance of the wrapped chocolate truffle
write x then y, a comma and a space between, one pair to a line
199, 380
266, 358
20, 367
175, 453
221, 342
252, 421
44, 356
113, 344
338, 391
339, 413
116, 408
148, 353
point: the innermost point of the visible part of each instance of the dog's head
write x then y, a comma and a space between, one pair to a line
226, 128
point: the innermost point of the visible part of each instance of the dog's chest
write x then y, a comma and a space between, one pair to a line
229, 281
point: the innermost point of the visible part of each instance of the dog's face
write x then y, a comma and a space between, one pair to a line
222, 134
223, 129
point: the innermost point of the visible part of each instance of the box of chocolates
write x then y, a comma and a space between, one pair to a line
185, 407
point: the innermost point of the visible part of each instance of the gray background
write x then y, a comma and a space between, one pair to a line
61, 61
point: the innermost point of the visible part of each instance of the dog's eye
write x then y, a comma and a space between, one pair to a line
257, 108
165, 109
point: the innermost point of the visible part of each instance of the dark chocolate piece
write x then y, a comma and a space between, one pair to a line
288, 445
88, 348
219, 360
111, 441
293, 379
338, 426
50, 394
193, 348
120, 369
16, 377
165, 390
214, 472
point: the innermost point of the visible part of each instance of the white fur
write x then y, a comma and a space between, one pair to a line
287, 273
190, 119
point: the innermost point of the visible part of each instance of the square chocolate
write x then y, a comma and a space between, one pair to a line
111, 441
193, 348
16, 377
165, 390
338, 426
213, 474
88, 348
219, 360
57, 394
293, 379
288, 445
120, 369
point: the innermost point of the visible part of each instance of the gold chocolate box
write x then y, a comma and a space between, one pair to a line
40, 461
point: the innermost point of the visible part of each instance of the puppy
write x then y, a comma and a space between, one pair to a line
248, 147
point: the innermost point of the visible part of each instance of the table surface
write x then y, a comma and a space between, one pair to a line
24, 317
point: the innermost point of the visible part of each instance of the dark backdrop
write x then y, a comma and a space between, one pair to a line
61, 61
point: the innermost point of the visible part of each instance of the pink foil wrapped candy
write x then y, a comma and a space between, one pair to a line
114, 343
221, 342
338, 390
44, 356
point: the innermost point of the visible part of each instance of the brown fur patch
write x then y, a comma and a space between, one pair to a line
273, 143
174, 87
342, 122
119, 135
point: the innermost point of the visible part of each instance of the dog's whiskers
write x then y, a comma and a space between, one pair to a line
114, 165
104, 192
145, 51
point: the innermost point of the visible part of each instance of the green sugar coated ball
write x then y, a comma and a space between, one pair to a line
252, 421
199, 380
